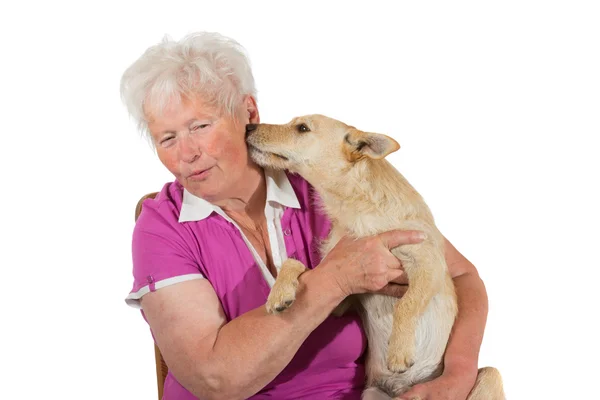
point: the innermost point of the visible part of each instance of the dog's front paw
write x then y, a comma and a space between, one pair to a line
281, 297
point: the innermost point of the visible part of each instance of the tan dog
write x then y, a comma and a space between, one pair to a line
364, 195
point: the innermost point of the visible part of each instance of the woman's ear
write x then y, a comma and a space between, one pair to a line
252, 111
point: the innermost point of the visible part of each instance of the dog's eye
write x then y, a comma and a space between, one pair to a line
303, 128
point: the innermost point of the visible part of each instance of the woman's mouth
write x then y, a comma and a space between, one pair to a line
200, 175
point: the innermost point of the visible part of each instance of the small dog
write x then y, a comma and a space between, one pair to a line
363, 194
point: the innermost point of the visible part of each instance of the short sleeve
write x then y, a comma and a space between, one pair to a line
161, 251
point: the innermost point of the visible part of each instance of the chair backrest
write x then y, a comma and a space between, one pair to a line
161, 366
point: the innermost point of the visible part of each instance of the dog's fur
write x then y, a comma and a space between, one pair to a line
365, 195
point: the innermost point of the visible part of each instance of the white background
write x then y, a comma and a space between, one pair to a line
496, 107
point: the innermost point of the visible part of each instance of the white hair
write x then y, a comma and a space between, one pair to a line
204, 64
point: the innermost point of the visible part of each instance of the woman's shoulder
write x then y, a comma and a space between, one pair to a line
161, 250
162, 208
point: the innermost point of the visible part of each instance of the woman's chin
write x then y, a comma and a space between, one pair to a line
204, 189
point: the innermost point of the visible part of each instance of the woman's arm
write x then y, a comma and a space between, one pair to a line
216, 359
462, 351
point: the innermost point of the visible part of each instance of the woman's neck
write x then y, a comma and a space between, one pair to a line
250, 196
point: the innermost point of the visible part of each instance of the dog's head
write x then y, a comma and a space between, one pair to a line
315, 146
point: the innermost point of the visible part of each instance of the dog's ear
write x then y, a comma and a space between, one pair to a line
359, 144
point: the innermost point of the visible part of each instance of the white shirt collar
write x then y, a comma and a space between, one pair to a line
279, 190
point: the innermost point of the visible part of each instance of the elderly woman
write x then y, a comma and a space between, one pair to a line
207, 249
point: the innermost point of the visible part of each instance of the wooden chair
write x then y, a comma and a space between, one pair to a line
161, 366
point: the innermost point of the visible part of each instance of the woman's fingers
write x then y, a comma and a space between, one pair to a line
395, 238
394, 290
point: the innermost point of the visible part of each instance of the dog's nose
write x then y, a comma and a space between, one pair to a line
250, 128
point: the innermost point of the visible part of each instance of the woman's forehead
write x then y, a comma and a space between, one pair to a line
179, 108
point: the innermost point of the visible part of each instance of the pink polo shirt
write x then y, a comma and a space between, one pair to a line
168, 249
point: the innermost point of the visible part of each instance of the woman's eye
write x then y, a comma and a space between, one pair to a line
201, 126
166, 141
303, 128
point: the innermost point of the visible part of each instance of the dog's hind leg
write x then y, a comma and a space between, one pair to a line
283, 292
488, 385
424, 265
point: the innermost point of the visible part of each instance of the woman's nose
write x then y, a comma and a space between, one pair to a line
189, 150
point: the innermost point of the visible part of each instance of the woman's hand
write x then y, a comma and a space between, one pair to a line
449, 386
397, 287
394, 289
367, 265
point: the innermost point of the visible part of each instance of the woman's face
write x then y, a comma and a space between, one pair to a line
205, 151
